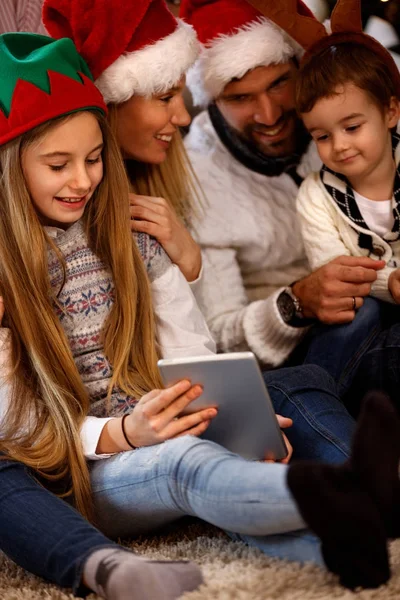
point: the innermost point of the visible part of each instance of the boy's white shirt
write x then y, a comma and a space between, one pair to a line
181, 331
329, 233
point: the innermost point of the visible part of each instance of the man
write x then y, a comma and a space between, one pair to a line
250, 153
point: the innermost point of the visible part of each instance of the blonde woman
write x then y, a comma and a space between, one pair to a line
142, 76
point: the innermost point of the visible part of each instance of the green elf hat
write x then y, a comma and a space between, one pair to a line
41, 79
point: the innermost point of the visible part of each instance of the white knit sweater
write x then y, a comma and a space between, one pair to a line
329, 233
251, 245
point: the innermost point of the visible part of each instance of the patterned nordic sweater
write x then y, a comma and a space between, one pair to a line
86, 298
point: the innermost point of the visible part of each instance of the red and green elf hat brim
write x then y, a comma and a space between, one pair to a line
41, 79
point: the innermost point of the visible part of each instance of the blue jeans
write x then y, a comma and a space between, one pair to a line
379, 368
135, 492
42, 533
322, 428
139, 491
339, 348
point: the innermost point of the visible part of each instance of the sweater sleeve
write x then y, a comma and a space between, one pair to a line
181, 327
321, 237
380, 287
234, 323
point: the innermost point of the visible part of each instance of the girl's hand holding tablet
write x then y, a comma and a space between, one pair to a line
156, 418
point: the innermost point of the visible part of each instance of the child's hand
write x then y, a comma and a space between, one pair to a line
158, 415
394, 285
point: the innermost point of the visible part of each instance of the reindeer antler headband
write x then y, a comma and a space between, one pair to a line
346, 26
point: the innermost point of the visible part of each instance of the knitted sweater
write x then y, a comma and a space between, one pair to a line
251, 245
85, 301
332, 225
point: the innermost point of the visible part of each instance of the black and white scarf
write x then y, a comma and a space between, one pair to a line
346, 201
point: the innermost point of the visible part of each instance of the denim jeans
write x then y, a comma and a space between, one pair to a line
139, 491
339, 348
135, 492
42, 533
378, 369
322, 428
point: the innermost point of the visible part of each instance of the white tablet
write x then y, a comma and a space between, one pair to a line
246, 421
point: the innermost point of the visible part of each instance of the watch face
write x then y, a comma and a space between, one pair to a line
286, 307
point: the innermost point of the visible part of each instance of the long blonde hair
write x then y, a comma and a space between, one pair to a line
48, 400
174, 179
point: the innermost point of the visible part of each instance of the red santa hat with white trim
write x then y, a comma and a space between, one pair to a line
235, 38
131, 47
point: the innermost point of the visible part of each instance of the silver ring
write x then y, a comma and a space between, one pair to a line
354, 303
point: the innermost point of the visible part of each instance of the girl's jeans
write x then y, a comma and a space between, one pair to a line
135, 492
138, 491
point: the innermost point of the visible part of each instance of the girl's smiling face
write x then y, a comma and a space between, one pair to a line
63, 169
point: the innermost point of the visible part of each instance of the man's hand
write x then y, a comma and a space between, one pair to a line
394, 285
327, 294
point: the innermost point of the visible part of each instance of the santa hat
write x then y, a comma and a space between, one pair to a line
235, 38
41, 79
131, 47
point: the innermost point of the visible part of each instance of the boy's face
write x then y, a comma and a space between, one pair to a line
351, 133
63, 169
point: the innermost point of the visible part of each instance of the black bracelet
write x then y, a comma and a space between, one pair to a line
124, 432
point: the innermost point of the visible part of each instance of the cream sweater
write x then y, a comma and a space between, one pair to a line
251, 245
329, 231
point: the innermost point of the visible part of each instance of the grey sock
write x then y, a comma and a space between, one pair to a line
117, 574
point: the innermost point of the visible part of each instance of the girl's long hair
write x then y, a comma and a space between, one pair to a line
48, 401
174, 179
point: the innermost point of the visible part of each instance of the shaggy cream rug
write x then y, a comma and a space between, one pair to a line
232, 571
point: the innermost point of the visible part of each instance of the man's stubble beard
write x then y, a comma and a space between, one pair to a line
278, 149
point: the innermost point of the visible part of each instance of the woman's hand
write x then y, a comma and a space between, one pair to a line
155, 217
283, 422
156, 417
394, 285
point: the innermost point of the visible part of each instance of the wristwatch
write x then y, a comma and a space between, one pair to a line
290, 309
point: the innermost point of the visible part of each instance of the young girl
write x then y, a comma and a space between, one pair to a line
76, 365
142, 78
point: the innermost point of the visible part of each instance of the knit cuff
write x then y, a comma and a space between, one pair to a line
267, 335
380, 287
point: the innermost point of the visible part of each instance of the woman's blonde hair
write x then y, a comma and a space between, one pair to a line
48, 400
174, 179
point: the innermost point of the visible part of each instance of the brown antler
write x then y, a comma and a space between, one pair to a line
305, 30
346, 17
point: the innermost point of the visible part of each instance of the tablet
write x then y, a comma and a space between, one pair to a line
246, 423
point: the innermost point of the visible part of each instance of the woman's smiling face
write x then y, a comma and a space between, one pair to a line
145, 126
